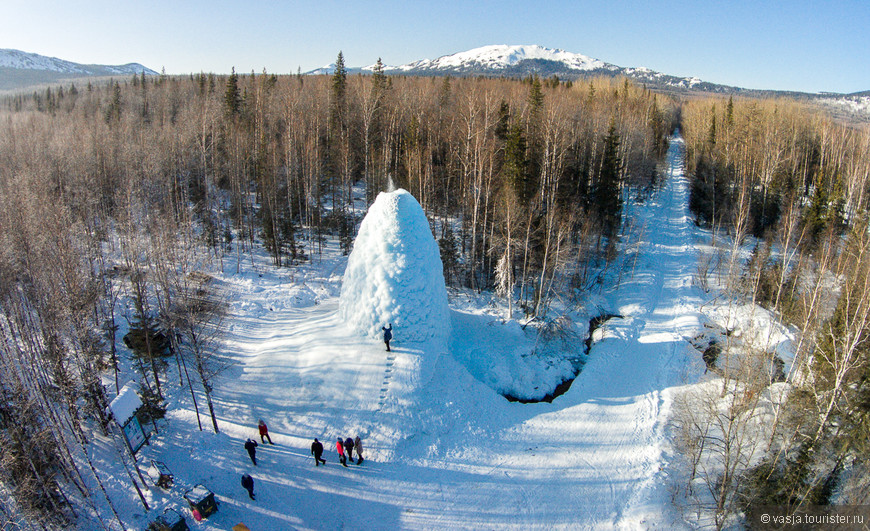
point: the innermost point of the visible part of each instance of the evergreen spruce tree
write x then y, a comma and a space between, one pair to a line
379, 79
50, 101
657, 126
607, 194
270, 239
711, 133
502, 126
536, 98
449, 253
516, 164
444, 96
232, 96
535, 142
729, 112
200, 79
339, 96
295, 248
339, 79
144, 87
113, 110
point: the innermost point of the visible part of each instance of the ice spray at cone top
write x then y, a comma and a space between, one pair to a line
394, 274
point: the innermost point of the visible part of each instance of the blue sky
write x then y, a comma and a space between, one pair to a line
807, 45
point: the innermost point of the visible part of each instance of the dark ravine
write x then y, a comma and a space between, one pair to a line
594, 324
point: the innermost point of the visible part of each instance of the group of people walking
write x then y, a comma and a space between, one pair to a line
251, 447
344, 448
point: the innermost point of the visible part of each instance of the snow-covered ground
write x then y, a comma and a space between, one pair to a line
854, 104
443, 449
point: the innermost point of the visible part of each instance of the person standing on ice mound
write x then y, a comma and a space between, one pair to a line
339, 447
388, 335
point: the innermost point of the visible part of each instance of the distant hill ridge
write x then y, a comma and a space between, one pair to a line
504, 60
520, 61
523, 60
22, 69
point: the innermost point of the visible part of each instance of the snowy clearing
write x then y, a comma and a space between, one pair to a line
443, 448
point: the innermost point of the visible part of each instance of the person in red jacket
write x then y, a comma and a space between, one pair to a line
264, 432
339, 447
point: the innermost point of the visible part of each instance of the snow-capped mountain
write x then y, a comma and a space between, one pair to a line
327, 70
523, 60
503, 57
31, 61
20, 69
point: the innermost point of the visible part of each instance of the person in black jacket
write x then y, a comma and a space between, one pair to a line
317, 452
348, 448
388, 335
251, 447
248, 484
339, 449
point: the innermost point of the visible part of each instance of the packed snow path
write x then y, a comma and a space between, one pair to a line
450, 452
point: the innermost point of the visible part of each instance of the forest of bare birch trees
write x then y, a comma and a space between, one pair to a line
792, 184
144, 184
147, 184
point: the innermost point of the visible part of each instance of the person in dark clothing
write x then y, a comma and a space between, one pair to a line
339, 447
317, 452
388, 335
264, 432
357, 444
251, 447
348, 448
248, 484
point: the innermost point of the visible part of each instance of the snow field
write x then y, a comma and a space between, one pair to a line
503, 356
444, 450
